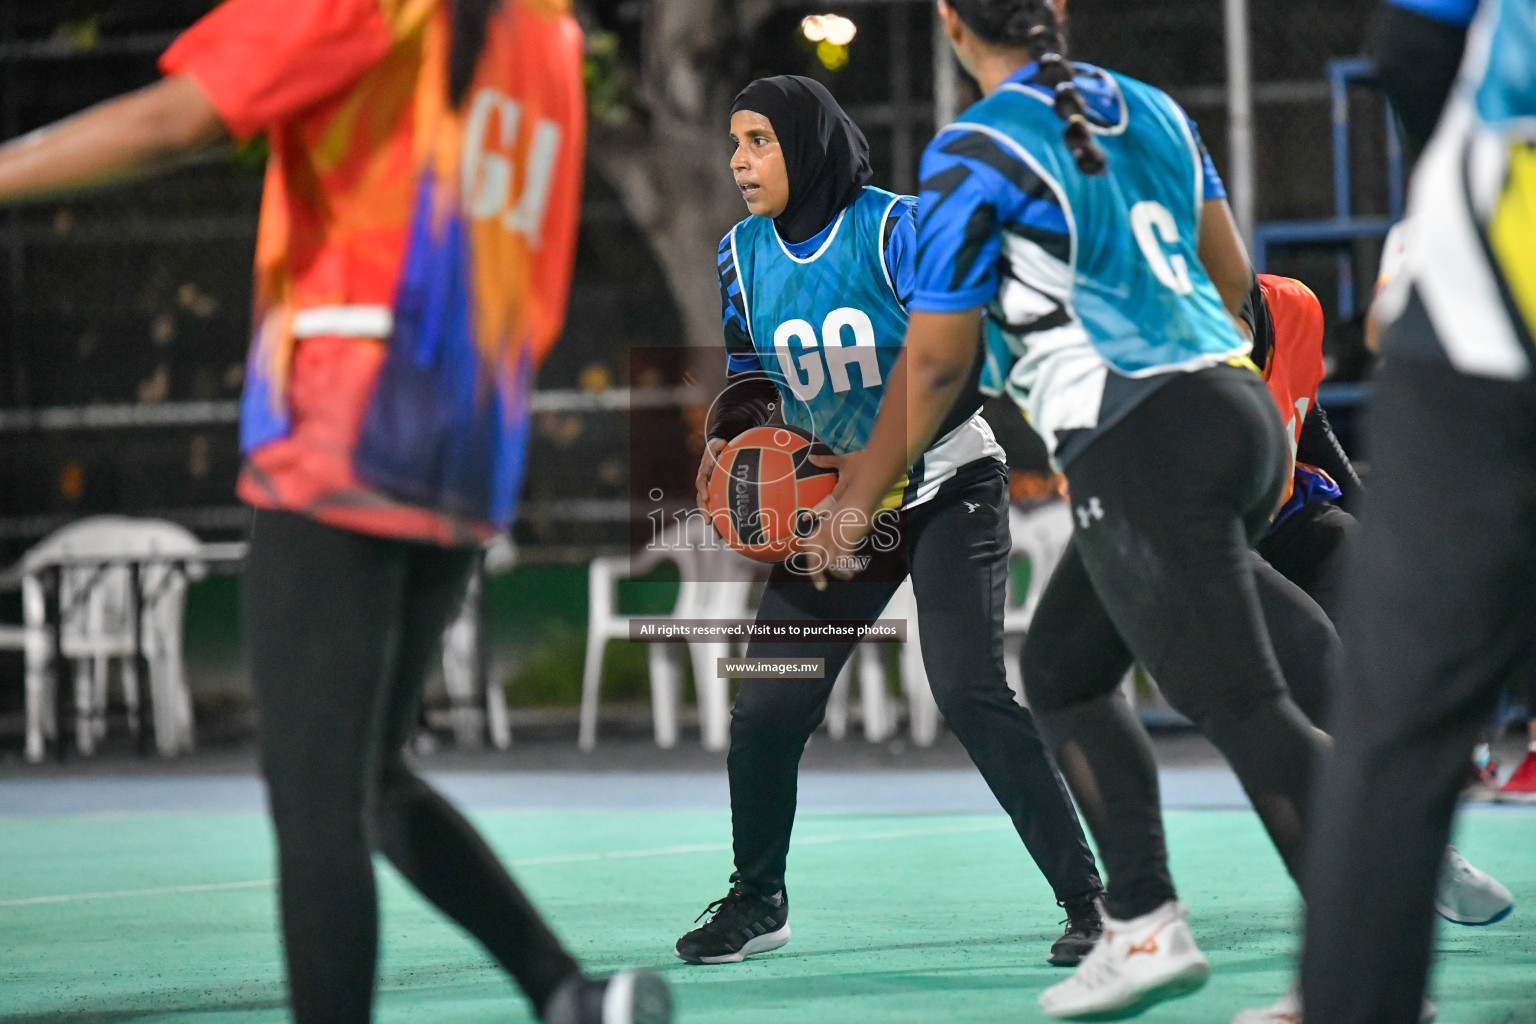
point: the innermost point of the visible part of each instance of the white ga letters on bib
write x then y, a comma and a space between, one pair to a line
805, 372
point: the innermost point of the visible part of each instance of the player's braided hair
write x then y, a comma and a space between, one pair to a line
1032, 25
470, 21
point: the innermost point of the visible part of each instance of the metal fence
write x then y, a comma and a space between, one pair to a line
123, 318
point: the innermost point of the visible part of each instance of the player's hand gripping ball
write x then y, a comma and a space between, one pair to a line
763, 489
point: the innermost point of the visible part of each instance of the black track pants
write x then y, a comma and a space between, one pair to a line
1160, 568
341, 629
957, 550
1440, 611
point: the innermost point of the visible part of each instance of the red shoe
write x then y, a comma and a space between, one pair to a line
1521, 787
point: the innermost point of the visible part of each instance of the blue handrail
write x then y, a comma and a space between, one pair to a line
1344, 228
1343, 395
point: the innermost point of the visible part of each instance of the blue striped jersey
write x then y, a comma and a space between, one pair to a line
1452, 12
826, 318
1091, 286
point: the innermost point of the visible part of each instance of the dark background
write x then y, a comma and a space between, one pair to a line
141, 293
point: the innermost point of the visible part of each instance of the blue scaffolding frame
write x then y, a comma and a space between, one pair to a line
1343, 229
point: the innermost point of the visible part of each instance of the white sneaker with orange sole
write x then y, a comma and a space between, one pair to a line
1134, 965
1288, 1011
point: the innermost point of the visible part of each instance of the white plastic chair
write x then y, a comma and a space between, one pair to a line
477, 703
96, 604
712, 593
13, 638
715, 583
878, 709
32, 640
922, 711
34, 652
96, 629
1040, 536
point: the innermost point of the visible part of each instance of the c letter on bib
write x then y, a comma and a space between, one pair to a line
1155, 227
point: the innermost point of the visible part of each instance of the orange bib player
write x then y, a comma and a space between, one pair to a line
1288, 348
412, 268
391, 212
1305, 542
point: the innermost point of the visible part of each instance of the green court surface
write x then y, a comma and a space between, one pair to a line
167, 917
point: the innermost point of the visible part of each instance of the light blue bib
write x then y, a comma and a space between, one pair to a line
828, 327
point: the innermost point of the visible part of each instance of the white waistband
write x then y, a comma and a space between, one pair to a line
344, 322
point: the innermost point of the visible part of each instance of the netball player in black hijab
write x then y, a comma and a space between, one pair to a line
825, 154
816, 163
822, 256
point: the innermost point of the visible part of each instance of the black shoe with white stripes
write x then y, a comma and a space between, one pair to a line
741, 924
629, 997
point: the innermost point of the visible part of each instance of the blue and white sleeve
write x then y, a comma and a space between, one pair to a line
1453, 12
1214, 188
740, 353
900, 234
975, 185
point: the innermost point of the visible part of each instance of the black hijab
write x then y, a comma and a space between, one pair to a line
825, 154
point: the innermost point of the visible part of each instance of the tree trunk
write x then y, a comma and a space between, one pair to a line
668, 163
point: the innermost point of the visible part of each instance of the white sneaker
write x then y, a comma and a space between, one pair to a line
1134, 965
1469, 896
1288, 1011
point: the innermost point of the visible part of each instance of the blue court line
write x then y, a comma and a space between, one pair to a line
885, 791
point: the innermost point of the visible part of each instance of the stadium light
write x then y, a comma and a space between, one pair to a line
840, 31
829, 28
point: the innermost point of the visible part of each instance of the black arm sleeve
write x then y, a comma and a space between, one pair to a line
1255, 313
1416, 62
1319, 447
749, 400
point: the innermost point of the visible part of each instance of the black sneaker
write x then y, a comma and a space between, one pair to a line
629, 997
741, 924
1085, 924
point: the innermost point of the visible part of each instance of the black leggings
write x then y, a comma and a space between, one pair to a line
341, 629
1440, 611
957, 549
1160, 569
1309, 550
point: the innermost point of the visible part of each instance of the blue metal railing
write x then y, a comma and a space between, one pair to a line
1343, 395
1343, 229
